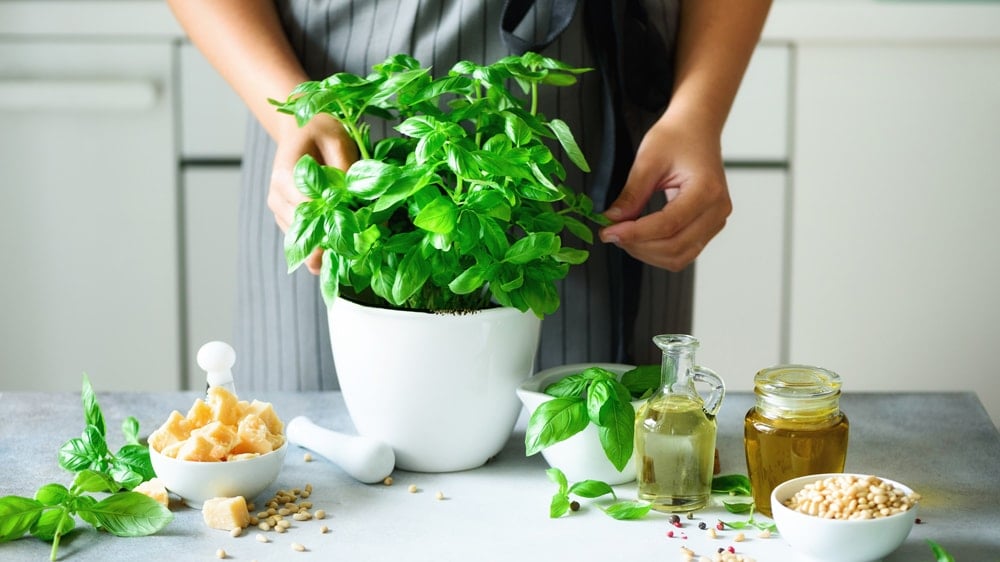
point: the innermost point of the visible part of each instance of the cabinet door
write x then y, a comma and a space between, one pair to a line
739, 278
89, 229
210, 202
897, 192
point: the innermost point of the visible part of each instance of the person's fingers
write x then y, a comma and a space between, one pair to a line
315, 261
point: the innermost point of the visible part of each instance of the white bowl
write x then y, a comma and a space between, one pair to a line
581, 456
833, 540
195, 482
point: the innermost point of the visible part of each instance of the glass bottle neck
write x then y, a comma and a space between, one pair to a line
677, 361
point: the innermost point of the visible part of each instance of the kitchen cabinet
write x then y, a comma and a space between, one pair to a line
210, 202
895, 266
89, 235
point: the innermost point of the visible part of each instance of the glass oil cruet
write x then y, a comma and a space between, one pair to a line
675, 431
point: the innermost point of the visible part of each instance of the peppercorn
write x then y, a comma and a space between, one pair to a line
702, 525
574, 505
720, 525
675, 519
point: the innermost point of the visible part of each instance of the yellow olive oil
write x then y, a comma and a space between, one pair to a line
795, 428
675, 452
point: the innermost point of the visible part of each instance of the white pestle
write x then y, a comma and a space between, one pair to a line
217, 359
365, 459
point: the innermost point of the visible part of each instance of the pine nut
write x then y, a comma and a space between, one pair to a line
298, 547
262, 538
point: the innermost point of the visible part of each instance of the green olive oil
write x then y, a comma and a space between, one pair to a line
675, 450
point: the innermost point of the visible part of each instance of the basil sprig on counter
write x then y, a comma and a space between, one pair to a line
130, 466
592, 396
52, 513
592, 489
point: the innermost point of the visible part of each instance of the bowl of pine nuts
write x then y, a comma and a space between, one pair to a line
844, 517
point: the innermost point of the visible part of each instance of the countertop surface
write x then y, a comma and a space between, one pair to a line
797, 21
942, 445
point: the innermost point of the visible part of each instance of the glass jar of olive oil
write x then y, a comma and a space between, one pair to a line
796, 428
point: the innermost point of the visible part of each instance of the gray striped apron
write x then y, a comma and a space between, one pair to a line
281, 334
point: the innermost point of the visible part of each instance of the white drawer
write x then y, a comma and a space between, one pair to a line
757, 129
213, 118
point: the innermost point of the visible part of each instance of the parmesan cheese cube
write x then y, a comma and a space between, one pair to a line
174, 430
252, 436
155, 489
200, 414
210, 443
226, 513
224, 405
265, 411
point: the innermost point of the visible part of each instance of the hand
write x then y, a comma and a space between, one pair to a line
326, 140
685, 163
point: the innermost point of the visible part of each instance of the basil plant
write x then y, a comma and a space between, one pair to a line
462, 209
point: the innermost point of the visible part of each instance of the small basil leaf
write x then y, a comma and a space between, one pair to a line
93, 481
738, 507
52, 494
558, 506
52, 523
591, 489
629, 510
732, 484
91, 410
559, 478
130, 429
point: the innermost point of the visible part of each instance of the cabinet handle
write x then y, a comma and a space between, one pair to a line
77, 95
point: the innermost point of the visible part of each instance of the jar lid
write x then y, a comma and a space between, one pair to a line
797, 382
798, 391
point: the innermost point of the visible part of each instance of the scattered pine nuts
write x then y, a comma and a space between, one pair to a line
237, 531
284, 524
280, 530
740, 537
264, 526
220, 553
302, 516
412, 489
324, 529
765, 534
320, 514
439, 495
711, 533
387, 481
262, 538
298, 547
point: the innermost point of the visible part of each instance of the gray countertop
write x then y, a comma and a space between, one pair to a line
942, 445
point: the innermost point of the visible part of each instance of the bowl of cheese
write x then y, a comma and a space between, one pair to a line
223, 447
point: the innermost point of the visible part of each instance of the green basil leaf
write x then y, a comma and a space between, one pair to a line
93, 481
532, 247
600, 397
309, 178
130, 514
940, 553
571, 255
302, 237
439, 216
565, 137
629, 510
554, 421
136, 459
558, 506
418, 126
516, 129
130, 429
617, 434
17, 516
370, 178
640, 380
53, 522
52, 494
732, 484
81, 505
329, 277
559, 478
737, 524
75, 455
591, 489
94, 440
429, 146
738, 507
461, 162
469, 280
413, 272
572, 386
91, 410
